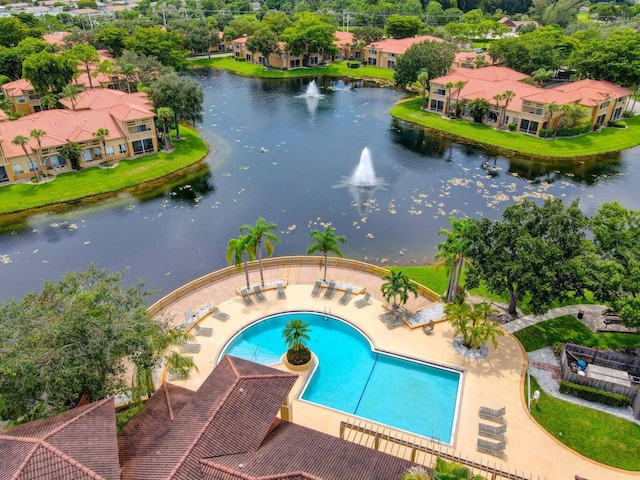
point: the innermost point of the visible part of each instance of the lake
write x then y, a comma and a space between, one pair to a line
288, 159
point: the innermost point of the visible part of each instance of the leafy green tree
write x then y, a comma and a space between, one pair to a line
139, 68
310, 34
12, 31
613, 269
262, 233
72, 152
112, 38
453, 252
368, 34
22, 141
238, 249
86, 57
165, 46
326, 241
397, 287
73, 338
403, 26
183, 95
445, 470
264, 41
47, 73
430, 57
433, 13
241, 26
276, 21
478, 108
533, 249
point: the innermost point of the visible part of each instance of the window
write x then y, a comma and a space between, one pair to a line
604, 105
261, 60
122, 148
371, 61
33, 166
600, 119
538, 111
21, 99
109, 151
17, 169
313, 60
248, 57
373, 52
139, 128
391, 64
616, 113
294, 63
86, 155
441, 91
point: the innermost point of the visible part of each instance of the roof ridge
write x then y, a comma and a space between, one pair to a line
90, 408
243, 476
28, 457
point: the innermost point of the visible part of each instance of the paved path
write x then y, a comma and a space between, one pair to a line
592, 316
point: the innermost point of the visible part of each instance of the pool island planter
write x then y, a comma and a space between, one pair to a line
473, 353
299, 368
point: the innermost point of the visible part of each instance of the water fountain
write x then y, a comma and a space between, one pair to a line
312, 91
363, 183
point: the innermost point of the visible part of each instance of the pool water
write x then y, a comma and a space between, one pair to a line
356, 380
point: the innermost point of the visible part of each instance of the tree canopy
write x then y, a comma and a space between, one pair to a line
431, 57
73, 339
47, 72
403, 26
183, 95
165, 46
310, 33
533, 250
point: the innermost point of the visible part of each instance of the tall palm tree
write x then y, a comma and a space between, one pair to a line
449, 86
22, 141
552, 109
458, 86
453, 252
71, 92
238, 249
72, 152
49, 102
397, 287
326, 242
38, 134
497, 97
165, 115
262, 233
423, 81
295, 334
101, 134
508, 97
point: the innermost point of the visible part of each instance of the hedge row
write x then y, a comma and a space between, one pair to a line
594, 394
617, 124
565, 132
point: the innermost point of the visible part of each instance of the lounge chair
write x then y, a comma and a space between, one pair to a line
190, 347
328, 295
491, 414
316, 289
259, 295
203, 331
346, 297
492, 431
188, 315
281, 294
246, 299
428, 328
364, 301
495, 449
216, 313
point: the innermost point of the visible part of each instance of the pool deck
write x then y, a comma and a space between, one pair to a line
494, 382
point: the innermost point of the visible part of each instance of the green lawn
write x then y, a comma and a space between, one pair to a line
427, 276
569, 329
595, 434
608, 140
98, 181
334, 69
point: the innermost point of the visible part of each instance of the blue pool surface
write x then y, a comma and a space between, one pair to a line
351, 378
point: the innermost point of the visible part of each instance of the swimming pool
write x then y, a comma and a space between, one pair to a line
352, 378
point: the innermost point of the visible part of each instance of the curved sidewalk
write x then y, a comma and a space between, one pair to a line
592, 314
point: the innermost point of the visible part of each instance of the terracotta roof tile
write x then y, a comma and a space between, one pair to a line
400, 45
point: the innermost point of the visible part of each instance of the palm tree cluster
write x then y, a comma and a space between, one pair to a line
453, 252
397, 287
473, 324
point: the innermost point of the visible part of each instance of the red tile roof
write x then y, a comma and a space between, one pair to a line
80, 443
343, 38
400, 45
17, 87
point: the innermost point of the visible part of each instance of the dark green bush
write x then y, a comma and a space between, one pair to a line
564, 132
617, 124
353, 64
512, 127
594, 394
239, 59
557, 348
628, 114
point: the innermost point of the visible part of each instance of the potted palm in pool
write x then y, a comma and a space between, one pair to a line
296, 334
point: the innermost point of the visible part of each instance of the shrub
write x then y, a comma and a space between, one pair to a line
617, 124
512, 127
628, 114
353, 64
239, 59
565, 132
557, 348
594, 394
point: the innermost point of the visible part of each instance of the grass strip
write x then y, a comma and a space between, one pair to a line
94, 181
607, 140
595, 434
334, 69
569, 329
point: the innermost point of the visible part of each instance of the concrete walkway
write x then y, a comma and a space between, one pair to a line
591, 318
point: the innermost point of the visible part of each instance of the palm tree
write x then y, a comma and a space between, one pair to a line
49, 102
71, 92
453, 252
473, 324
101, 134
237, 251
497, 97
444, 470
22, 141
163, 346
326, 242
416, 472
38, 134
72, 152
553, 108
507, 96
449, 86
165, 115
295, 334
458, 86
397, 287
423, 81
262, 232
